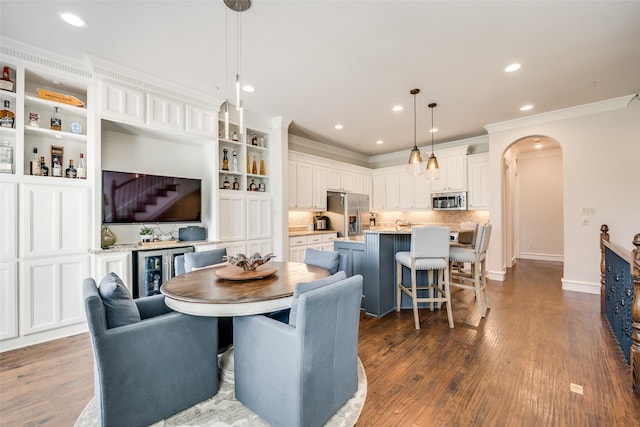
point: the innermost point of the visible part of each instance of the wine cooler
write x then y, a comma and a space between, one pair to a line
153, 268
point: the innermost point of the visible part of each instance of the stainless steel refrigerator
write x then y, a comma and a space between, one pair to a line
348, 212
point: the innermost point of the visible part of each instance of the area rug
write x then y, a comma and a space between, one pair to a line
224, 410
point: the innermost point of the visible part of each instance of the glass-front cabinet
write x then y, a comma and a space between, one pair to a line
244, 160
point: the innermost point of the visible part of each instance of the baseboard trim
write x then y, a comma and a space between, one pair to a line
41, 337
541, 257
497, 275
578, 286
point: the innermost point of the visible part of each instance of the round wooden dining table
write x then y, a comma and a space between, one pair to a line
204, 293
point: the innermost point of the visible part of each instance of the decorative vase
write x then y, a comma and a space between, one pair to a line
108, 238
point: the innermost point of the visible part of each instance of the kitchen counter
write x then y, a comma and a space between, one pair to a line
127, 247
310, 233
351, 239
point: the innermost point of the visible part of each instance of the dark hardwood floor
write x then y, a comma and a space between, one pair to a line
513, 368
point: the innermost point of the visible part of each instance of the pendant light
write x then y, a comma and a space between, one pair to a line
433, 171
237, 6
415, 159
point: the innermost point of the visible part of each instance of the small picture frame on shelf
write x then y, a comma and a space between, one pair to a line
57, 152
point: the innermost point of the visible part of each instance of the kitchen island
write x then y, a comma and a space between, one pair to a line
374, 256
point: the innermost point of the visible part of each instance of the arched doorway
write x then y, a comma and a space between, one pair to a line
532, 200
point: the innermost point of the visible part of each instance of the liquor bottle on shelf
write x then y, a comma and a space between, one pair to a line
225, 160
226, 185
35, 163
56, 120
236, 184
5, 82
234, 161
253, 186
7, 117
82, 168
254, 166
263, 167
57, 168
234, 136
71, 172
44, 169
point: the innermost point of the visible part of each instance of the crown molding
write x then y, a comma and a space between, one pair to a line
563, 114
119, 73
308, 146
42, 57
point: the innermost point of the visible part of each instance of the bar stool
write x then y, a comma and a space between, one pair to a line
430, 252
477, 277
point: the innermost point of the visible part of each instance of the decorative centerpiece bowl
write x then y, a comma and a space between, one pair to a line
250, 263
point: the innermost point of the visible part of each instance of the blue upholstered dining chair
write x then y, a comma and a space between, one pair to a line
301, 373
332, 261
430, 252
149, 361
190, 260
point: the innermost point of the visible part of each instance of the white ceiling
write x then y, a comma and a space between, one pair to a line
325, 62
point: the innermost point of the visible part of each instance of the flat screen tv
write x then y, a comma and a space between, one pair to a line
130, 198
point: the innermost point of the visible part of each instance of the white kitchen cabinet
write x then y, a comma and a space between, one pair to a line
292, 185
51, 293
392, 188
327, 241
334, 179
201, 121
379, 192
258, 217
297, 246
113, 262
453, 170
405, 190
165, 113
351, 182
304, 186
478, 175
8, 220
54, 220
122, 103
319, 184
367, 187
8, 300
231, 216
421, 192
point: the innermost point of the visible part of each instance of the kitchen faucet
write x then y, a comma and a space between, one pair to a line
400, 223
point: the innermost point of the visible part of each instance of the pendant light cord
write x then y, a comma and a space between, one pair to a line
415, 126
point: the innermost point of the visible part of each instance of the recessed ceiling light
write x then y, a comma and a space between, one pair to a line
72, 19
379, 142
512, 67
433, 130
398, 108
526, 107
538, 145
248, 88
338, 126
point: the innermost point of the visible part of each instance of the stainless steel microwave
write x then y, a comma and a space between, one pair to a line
454, 201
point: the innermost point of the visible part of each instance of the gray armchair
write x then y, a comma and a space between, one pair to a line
332, 261
149, 363
301, 373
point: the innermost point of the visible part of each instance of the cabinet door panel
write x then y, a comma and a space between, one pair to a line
54, 220
292, 187
379, 192
8, 300
201, 122
122, 103
8, 220
319, 188
258, 218
405, 191
51, 293
231, 215
334, 179
392, 187
421, 192
165, 113
304, 186
119, 263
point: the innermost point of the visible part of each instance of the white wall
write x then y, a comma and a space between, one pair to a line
540, 216
601, 146
151, 155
